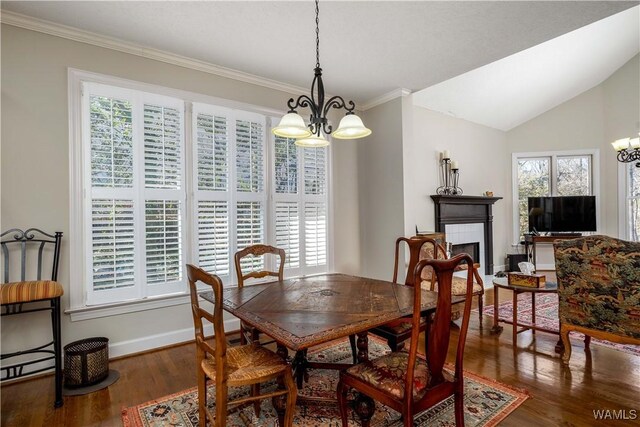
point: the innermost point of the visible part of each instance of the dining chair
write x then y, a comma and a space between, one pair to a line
31, 253
398, 331
458, 285
404, 381
227, 367
247, 332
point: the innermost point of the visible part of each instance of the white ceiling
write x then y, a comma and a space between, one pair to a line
513, 90
367, 49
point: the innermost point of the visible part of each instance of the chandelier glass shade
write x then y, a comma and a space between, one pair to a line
292, 125
312, 141
628, 150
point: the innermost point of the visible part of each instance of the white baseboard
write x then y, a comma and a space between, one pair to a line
124, 348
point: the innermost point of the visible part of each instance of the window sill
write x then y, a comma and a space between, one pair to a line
107, 310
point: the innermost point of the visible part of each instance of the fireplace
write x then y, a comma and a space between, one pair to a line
472, 248
467, 219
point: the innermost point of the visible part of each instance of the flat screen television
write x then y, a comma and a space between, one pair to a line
563, 214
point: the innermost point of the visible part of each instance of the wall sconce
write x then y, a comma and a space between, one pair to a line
628, 150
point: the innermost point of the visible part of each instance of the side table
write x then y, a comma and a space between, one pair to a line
502, 282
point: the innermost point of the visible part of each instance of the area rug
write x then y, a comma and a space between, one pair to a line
547, 316
486, 402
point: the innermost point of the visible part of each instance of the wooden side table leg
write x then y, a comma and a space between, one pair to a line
533, 311
496, 329
514, 322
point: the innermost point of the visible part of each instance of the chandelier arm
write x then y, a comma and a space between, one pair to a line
338, 102
327, 128
302, 101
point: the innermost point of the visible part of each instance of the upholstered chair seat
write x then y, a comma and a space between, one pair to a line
387, 373
36, 290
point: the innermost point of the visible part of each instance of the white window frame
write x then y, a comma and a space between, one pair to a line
623, 200
79, 309
138, 193
553, 156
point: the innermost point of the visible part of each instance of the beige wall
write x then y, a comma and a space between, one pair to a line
35, 160
591, 120
380, 174
484, 164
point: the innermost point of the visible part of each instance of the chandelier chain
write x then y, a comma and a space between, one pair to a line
317, 34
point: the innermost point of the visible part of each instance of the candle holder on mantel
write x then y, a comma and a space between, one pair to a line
449, 177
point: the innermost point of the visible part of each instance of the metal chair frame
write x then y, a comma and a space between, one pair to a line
51, 350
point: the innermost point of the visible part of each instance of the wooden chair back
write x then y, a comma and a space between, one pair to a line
415, 245
440, 331
35, 248
195, 275
258, 250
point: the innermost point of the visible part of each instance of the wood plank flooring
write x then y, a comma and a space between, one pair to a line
601, 379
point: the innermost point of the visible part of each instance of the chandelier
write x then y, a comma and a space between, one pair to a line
292, 125
628, 150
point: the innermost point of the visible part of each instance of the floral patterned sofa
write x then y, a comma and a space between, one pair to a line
598, 289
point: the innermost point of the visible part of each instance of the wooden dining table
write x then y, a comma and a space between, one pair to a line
303, 312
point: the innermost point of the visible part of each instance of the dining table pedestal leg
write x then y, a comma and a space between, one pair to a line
363, 347
364, 407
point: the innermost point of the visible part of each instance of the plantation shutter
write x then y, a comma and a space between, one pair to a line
136, 187
111, 211
315, 206
315, 234
287, 199
163, 194
212, 137
287, 218
250, 216
249, 156
112, 238
230, 197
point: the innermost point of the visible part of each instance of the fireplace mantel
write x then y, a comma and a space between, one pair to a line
468, 210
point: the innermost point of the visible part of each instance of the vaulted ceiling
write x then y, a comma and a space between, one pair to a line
367, 49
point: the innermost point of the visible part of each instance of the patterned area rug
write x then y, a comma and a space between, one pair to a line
487, 402
547, 316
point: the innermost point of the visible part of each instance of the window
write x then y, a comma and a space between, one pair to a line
631, 201
150, 200
300, 207
549, 174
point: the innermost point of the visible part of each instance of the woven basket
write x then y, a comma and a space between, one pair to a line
86, 362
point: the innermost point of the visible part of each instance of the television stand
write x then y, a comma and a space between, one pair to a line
531, 241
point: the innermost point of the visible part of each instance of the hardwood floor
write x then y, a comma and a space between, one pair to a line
604, 379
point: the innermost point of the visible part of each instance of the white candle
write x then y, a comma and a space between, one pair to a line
445, 154
454, 164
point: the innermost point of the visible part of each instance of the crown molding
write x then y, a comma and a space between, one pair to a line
82, 36
374, 102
